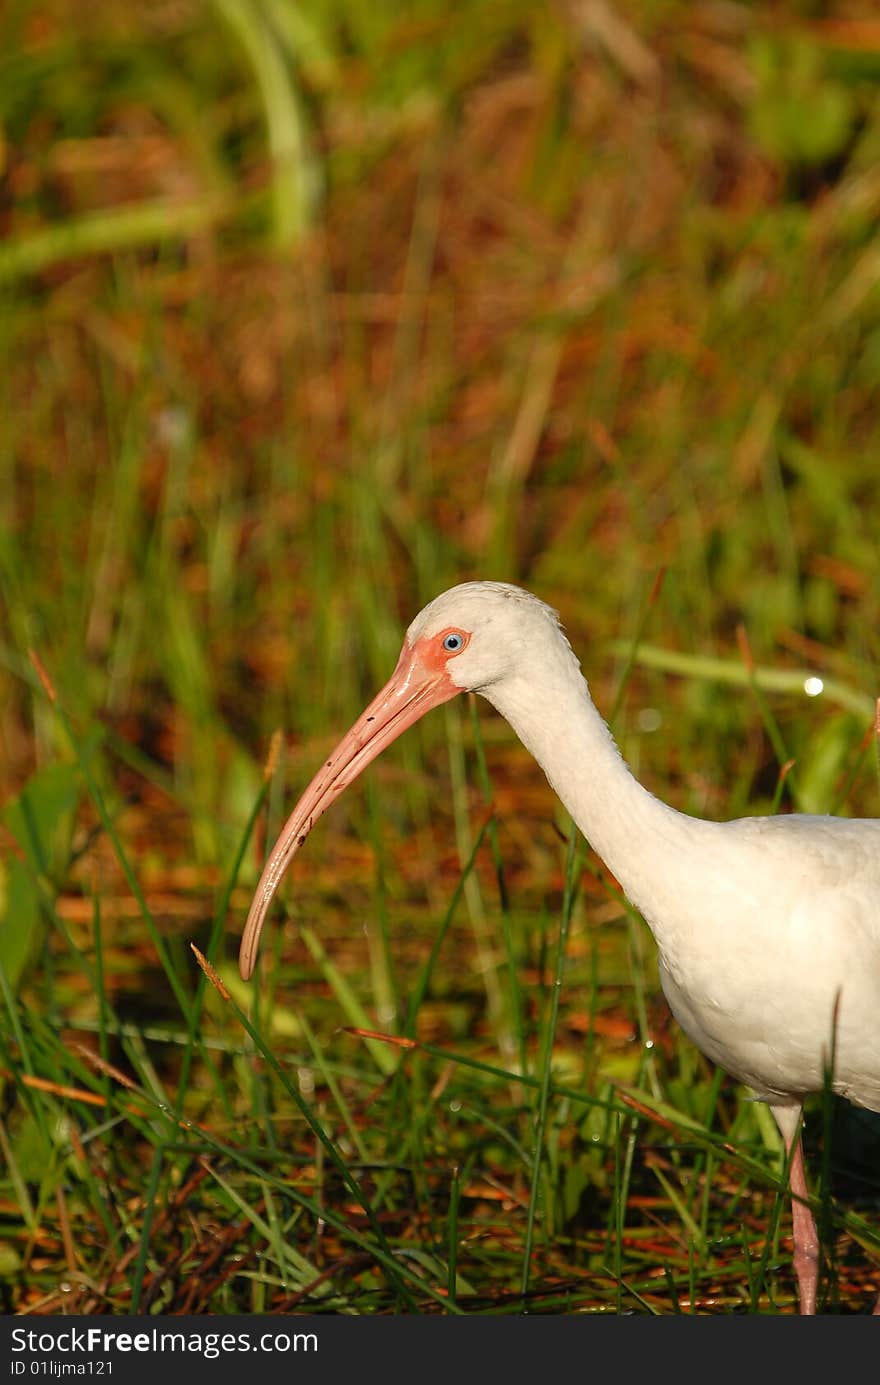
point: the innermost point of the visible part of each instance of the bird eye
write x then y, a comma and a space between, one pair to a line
453, 642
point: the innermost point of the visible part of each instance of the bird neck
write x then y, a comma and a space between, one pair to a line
642, 841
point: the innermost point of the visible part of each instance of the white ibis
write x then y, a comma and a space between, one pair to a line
768, 928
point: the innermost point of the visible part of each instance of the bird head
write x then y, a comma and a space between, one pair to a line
478, 634
472, 638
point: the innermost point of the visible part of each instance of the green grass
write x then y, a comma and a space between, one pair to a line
307, 312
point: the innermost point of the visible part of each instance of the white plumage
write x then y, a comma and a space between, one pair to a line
768, 929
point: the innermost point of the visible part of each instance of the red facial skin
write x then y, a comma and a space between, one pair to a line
420, 681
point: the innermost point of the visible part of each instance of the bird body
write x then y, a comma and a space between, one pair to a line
768, 929
777, 969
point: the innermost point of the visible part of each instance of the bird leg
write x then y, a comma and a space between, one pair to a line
806, 1238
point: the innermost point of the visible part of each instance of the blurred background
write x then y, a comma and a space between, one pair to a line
310, 310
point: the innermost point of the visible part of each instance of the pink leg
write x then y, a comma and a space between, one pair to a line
806, 1240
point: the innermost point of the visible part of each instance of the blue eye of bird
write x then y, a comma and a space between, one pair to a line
453, 643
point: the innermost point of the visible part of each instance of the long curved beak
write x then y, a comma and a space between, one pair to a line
416, 685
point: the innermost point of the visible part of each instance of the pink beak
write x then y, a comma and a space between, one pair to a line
419, 682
